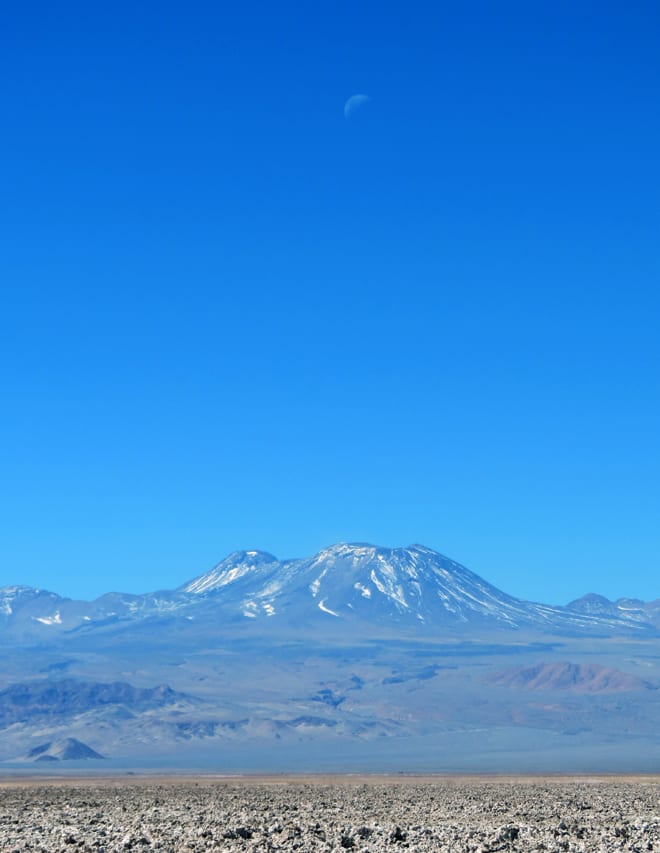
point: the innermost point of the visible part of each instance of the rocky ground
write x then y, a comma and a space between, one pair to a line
321, 814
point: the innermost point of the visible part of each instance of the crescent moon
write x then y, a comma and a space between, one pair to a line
354, 103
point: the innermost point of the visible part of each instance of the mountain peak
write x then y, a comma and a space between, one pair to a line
234, 566
347, 549
367, 549
592, 603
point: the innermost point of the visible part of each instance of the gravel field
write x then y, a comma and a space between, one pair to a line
322, 813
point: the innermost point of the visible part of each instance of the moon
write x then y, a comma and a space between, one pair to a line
355, 103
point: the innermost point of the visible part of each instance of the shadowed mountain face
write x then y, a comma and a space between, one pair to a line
68, 697
398, 655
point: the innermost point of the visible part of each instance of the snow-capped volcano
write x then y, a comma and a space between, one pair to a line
407, 589
414, 581
361, 581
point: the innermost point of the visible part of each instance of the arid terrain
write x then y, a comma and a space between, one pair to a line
330, 813
359, 658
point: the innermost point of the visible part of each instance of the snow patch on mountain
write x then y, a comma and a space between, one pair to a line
56, 619
326, 609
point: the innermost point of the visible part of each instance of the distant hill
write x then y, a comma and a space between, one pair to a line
631, 609
67, 749
572, 677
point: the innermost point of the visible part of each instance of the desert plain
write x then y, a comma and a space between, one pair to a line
324, 813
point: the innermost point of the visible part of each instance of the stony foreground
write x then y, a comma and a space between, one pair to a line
330, 814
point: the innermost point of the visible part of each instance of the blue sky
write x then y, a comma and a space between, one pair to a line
233, 318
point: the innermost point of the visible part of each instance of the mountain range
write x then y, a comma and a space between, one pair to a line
360, 584
358, 656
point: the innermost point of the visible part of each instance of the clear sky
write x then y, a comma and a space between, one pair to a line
232, 317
